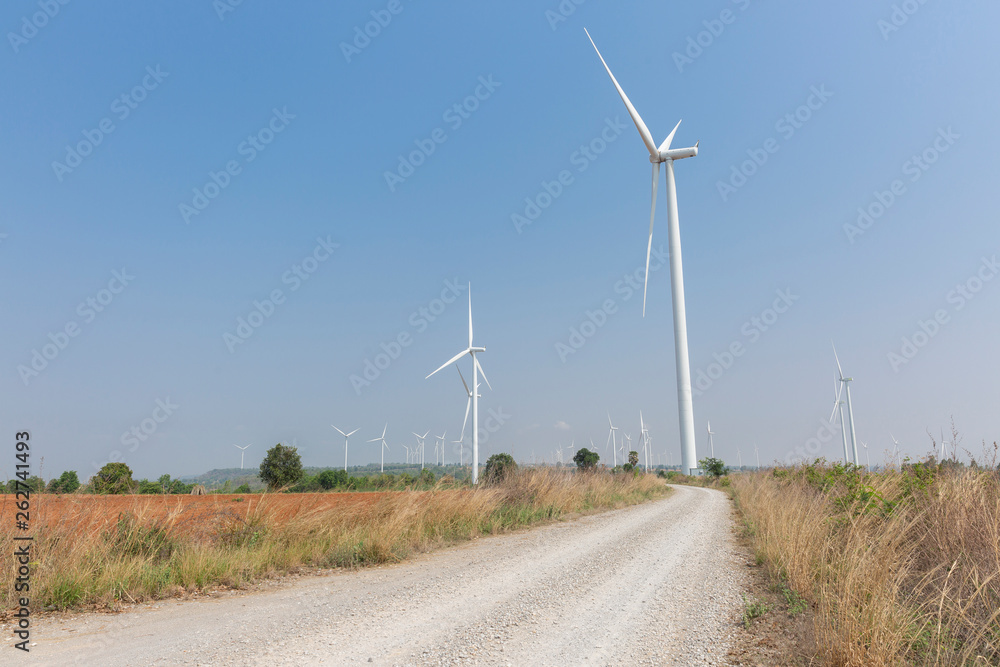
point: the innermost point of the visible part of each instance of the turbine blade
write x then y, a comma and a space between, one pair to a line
352, 433
339, 431
647, 138
649, 245
450, 361
841, 370
480, 367
468, 404
467, 390
386, 428
665, 146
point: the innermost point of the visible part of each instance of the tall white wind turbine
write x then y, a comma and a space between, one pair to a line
420, 446
850, 409
476, 370
839, 405
711, 442
242, 451
346, 437
611, 439
384, 446
664, 154
441, 438
644, 434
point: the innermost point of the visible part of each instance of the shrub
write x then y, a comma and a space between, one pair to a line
714, 467
586, 460
498, 467
281, 467
426, 476
243, 488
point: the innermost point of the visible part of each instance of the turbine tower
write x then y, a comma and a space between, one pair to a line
242, 451
850, 411
757, 454
658, 155
611, 439
346, 436
384, 446
476, 370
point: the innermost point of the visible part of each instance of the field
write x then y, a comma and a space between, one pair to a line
899, 567
102, 550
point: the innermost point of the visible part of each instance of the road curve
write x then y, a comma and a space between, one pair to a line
655, 584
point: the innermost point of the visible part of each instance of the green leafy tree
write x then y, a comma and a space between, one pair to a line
113, 478
498, 468
327, 479
714, 467
281, 467
586, 460
68, 482
426, 476
633, 458
243, 488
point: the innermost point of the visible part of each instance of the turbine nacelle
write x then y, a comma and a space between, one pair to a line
675, 154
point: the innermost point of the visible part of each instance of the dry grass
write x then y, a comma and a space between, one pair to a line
901, 567
146, 553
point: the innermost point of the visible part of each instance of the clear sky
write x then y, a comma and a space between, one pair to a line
167, 165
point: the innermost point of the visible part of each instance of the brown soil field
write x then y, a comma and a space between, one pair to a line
193, 516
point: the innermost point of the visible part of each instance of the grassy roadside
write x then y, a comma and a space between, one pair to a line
901, 567
141, 558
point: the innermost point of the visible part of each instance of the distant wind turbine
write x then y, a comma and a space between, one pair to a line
711, 443
868, 461
384, 446
846, 381
658, 155
420, 446
895, 448
346, 437
476, 370
242, 451
611, 439
441, 438
838, 405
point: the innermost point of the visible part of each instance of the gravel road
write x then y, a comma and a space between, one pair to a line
655, 584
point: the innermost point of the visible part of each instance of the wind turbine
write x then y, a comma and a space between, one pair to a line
611, 439
739, 457
242, 451
895, 448
644, 434
944, 446
476, 370
839, 405
384, 446
867, 459
420, 446
658, 155
757, 454
346, 436
850, 412
441, 438
711, 443
407, 454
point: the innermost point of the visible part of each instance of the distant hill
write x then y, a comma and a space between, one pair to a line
214, 479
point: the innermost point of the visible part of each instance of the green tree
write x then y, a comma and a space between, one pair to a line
281, 467
426, 476
113, 478
243, 488
498, 468
714, 467
633, 458
586, 460
327, 479
68, 482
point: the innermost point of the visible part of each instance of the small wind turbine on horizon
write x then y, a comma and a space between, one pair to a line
846, 381
838, 405
895, 449
757, 454
383, 447
611, 439
476, 370
441, 438
346, 437
711, 442
420, 446
664, 154
242, 451
868, 461
644, 434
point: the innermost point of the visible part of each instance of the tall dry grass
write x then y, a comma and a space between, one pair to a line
144, 553
901, 567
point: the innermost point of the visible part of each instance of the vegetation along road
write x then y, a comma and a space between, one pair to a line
658, 583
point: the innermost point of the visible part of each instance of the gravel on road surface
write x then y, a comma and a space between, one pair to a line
654, 584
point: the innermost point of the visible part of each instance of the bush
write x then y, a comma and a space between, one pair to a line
426, 476
113, 478
281, 467
332, 479
68, 482
243, 488
586, 460
714, 467
498, 467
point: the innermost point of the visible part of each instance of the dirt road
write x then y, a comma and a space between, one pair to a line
655, 584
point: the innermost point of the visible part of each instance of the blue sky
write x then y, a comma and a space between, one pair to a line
325, 115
